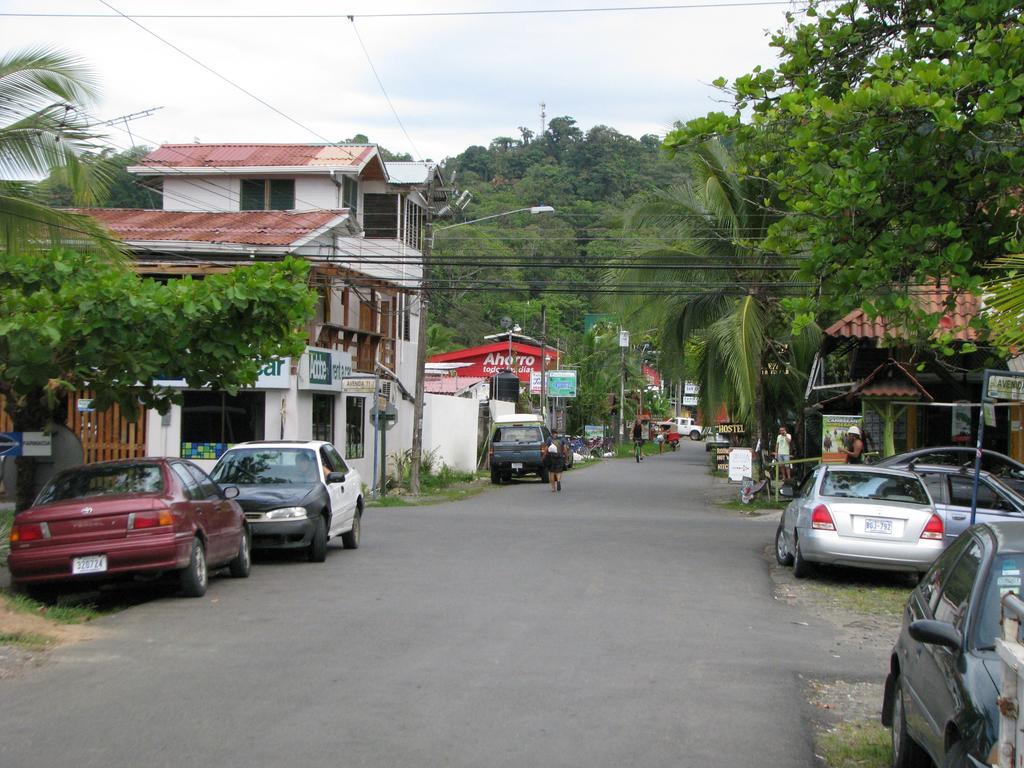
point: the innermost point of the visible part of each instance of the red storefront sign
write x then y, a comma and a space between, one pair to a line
491, 358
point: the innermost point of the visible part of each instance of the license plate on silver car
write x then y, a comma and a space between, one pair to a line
89, 564
878, 525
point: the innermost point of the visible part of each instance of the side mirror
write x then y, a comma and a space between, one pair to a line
335, 477
230, 492
786, 491
935, 633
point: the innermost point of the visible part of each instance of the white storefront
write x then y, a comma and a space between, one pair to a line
319, 398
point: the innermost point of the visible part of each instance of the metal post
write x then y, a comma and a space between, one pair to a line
421, 346
977, 463
543, 365
622, 393
384, 454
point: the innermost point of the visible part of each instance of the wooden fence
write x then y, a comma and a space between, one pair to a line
107, 435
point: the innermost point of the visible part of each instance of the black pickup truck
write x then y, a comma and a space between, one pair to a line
518, 447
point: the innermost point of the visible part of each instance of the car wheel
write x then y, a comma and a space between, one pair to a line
695, 435
544, 476
242, 564
801, 568
318, 546
781, 553
905, 751
495, 476
350, 539
194, 577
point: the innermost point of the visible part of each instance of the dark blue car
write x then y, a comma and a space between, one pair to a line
940, 695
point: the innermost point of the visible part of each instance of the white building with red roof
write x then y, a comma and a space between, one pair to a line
359, 224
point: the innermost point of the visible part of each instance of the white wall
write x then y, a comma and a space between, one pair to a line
221, 193
200, 193
450, 426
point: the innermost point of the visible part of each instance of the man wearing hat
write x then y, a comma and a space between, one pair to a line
854, 446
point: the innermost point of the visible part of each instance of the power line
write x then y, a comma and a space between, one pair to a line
422, 14
217, 74
383, 90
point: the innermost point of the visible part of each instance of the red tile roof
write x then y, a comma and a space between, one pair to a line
241, 227
257, 155
890, 379
857, 325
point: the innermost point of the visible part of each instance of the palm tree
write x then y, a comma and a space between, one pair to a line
723, 308
1005, 299
43, 130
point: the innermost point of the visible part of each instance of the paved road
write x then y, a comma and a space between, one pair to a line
623, 622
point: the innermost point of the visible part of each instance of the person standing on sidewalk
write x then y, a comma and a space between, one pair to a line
783, 443
638, 439
554, 460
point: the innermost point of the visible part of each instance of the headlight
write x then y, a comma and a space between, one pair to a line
286, 513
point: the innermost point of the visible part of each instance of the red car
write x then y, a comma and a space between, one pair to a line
123, 518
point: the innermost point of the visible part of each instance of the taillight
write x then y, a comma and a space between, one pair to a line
155, 519
934, 529
821, 519
24, 532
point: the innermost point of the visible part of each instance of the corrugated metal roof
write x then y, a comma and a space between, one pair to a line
450, 385
258, 155
857, 325
238, 227
409, 172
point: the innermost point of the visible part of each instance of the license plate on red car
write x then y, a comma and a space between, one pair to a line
89, 564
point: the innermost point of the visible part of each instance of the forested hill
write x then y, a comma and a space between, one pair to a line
497, 269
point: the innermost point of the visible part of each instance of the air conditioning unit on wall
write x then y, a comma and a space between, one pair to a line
384, 389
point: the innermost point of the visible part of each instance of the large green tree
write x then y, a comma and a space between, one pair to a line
891, 133
71, 321
44, 129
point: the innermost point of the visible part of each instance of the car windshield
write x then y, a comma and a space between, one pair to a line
1004, 576
267, 466
99, 480
872, 485
517, 434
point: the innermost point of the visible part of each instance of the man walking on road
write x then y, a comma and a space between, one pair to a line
638, 439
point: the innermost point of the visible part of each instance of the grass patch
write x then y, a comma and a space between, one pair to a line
390, 501
856, 745
29, 641
67, 609
6, 519
877, 594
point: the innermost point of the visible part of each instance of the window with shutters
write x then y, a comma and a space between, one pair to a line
380, 216
267, 195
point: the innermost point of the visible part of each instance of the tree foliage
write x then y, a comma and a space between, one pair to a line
71, 321
44, 128
891, 134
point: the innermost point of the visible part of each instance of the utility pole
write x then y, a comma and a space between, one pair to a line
623, 337
421, 345
543, 365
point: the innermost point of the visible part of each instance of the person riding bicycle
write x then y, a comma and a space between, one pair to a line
638, 439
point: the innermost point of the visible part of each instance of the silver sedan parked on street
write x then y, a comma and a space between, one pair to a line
859, 516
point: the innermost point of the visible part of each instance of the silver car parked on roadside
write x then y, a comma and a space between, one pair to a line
859, 516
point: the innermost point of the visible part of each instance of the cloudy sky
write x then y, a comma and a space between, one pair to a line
453, 80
